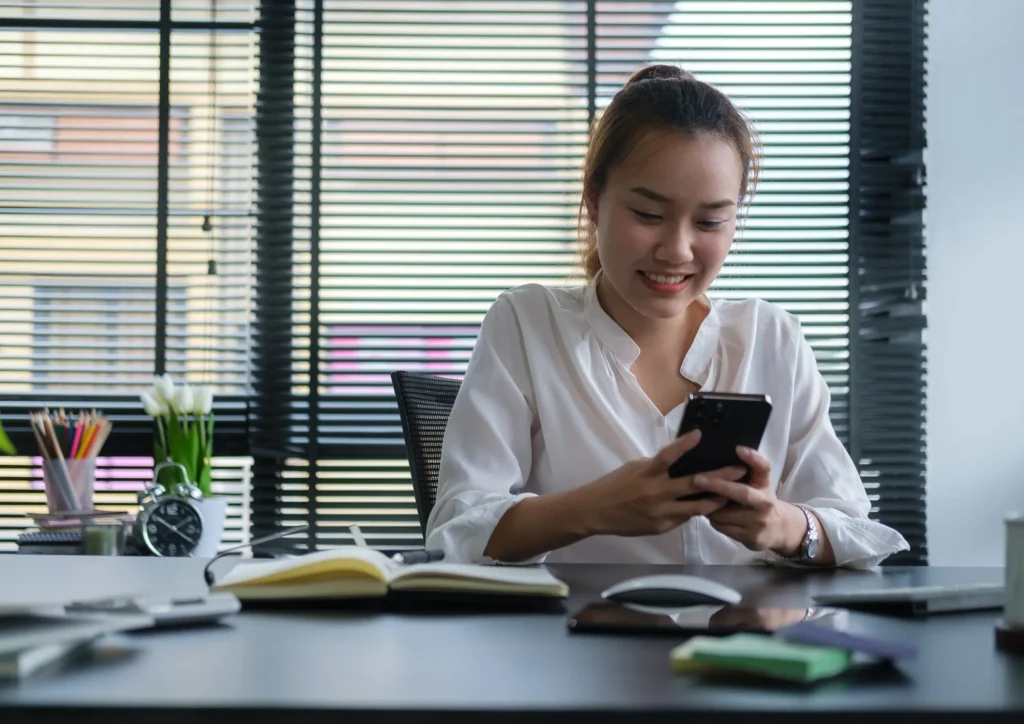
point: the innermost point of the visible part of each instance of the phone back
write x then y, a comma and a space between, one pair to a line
725, 421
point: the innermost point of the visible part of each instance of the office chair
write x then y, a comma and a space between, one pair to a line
424, 403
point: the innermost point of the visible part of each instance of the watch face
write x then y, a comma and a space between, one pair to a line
172, 528
812, 548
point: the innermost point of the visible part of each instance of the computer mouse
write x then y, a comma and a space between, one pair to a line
671, 589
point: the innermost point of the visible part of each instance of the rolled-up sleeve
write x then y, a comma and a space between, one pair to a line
487, 452
820, 475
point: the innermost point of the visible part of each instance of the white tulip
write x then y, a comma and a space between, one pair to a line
184, 400
204, 399
153, 406
163, 389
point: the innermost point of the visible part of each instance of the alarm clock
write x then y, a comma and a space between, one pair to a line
168, 525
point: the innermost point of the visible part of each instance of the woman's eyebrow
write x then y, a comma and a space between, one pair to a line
721, 204
652, 195
661, 198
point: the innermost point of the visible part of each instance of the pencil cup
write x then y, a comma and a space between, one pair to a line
1013, 608
69, 484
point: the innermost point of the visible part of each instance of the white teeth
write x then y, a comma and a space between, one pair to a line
662, 279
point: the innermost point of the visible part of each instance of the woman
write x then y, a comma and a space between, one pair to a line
560, 439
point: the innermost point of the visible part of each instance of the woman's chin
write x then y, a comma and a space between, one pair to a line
663, 308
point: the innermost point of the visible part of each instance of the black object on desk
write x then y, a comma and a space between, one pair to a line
47, 542
364, 667
208, 574
408, 558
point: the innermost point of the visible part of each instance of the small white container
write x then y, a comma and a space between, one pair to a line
215, 513
1013, 613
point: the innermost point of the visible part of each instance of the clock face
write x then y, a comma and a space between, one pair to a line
172, 528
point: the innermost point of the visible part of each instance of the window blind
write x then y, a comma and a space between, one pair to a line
437, 153
106, 273
409, 161
887, 176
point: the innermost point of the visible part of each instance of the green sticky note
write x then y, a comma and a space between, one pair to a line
762, 655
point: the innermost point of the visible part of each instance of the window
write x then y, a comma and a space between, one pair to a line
376, 173
438, 148
104, 277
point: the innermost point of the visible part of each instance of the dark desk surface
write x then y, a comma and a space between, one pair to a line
355, 667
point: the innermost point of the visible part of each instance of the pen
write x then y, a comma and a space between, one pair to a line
420, 556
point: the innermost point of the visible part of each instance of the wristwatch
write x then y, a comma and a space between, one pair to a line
812, 539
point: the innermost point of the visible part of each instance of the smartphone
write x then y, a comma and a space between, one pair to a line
725, 420
626, 618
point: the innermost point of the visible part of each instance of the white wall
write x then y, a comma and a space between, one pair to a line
975, 217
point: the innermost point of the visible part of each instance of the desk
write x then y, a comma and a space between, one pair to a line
347, 668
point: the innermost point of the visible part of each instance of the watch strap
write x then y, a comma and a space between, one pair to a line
810, 537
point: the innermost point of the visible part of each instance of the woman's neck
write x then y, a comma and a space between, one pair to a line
668, 338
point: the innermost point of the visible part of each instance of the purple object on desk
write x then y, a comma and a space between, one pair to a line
807, 632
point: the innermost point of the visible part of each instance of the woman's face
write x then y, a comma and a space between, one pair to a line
665, 222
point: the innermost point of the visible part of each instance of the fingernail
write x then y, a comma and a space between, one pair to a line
743, 450
700, 481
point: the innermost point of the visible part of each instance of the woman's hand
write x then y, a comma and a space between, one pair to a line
757, 518
637, 499
640, 498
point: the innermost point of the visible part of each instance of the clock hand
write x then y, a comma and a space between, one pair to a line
173, 529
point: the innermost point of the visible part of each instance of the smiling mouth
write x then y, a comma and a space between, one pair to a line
666, 280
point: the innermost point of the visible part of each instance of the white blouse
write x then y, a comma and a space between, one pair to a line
549, 403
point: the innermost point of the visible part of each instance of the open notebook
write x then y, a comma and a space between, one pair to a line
356, 572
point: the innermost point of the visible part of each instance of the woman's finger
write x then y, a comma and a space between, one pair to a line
678, 488
760, 466
673, 451
742, 493
684, 510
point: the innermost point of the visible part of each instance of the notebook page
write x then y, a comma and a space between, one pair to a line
345, 560
500, 577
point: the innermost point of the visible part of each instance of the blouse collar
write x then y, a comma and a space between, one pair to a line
696, 366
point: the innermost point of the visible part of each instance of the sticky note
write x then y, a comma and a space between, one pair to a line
761, 655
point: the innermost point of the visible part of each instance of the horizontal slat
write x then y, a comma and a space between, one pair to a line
79, 135
452, 136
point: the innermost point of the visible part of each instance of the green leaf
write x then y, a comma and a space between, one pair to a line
193, 452
209, 437
181, 445
205, 482
6, 446
174, 433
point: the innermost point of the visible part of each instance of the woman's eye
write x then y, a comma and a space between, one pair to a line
710, 225
645, 216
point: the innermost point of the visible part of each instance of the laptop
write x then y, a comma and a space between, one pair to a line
919, 600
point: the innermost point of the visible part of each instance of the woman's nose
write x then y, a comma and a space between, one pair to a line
677, 247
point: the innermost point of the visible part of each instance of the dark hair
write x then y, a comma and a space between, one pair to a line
654, 98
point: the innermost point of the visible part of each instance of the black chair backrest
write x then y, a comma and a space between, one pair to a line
424, 404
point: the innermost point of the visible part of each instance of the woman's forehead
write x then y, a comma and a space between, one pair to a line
674, 163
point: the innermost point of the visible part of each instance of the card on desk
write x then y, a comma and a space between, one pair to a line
810, 633
355, 572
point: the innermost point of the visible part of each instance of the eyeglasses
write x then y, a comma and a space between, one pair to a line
208, 574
